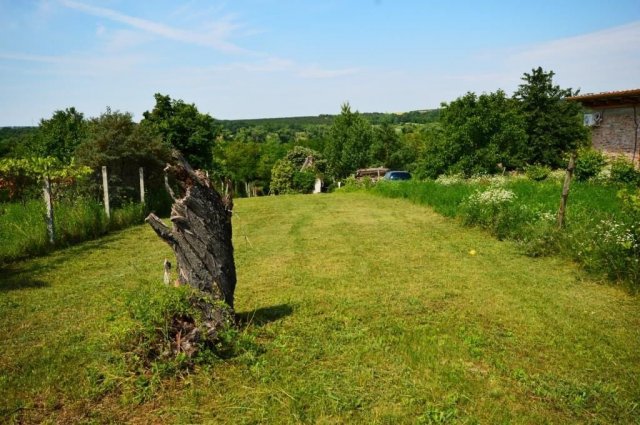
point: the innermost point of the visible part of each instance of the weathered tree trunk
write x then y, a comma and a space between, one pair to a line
201, 233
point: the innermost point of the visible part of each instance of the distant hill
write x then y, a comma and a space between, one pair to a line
416, 117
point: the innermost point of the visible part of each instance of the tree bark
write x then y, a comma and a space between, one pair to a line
201, 233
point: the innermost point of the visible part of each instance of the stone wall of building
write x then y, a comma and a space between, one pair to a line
616, 133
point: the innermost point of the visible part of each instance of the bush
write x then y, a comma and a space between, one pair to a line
589, 164
537, 172
304, 181
494, 209
623, 171
612, 247
352, 184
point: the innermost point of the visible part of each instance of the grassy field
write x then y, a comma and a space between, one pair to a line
362, 309
601, 232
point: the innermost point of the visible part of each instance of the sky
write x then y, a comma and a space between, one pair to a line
275, 58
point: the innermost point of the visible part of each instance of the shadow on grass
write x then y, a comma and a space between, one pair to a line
18, 279
264, 315
22, 274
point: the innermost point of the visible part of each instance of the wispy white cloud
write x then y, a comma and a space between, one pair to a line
598, 61
216, 35
69, 66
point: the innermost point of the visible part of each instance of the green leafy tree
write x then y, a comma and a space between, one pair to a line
17, 142
553, 125
350, 139
282, 177
183, 127
60, 135
480, 134
117, 142
297, 171
386, 147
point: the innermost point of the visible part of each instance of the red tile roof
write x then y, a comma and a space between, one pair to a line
611, 98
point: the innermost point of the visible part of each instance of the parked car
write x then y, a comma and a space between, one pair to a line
397, 175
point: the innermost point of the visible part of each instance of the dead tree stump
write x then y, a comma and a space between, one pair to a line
201, 233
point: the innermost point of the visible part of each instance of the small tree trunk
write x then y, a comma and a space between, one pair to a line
565, 190
201, 233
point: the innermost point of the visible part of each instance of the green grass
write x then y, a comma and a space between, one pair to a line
599, 233
363, 309
23, 230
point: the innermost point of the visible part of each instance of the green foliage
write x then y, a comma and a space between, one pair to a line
162, 317
553, 126
23, 176
491, 132
623, 171
297, 171
602, 232
123, 146
480, 134
183, 127
589, 164
494, 209
352, 184
16, 141
304, 181
348, 146
537, 172
282, 177
60, 135
23, 229
385, 147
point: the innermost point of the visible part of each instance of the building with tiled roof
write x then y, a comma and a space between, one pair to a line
614, 118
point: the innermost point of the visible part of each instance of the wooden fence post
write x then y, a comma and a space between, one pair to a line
49, 216
142, 185
565, 190
105, 188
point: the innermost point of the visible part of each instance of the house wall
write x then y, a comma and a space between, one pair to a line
616, 133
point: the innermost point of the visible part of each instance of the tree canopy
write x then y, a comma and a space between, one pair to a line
492, 132
183, 127
553, 125
347, 148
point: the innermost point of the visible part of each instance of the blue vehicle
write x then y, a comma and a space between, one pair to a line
397, 175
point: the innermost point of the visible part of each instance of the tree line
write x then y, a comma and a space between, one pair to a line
474, 134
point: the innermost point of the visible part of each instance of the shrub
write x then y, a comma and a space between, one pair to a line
304, 181
613, 248
537, 172
623, 171
447, 180
589, 164
352, 184
495, 210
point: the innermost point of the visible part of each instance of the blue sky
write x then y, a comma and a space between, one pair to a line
271, 58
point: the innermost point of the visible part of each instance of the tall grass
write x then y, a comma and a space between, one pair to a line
23, 231
600, 233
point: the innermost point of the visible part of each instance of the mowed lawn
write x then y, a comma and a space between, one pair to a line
363, 309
